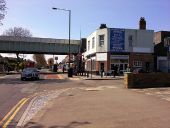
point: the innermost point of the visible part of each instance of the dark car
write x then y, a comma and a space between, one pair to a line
138, 70
30, 73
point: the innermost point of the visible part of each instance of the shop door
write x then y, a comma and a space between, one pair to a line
122, 67
102, 66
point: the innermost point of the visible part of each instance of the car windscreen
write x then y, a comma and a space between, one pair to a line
30, 70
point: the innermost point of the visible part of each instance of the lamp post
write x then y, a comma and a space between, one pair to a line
69, 35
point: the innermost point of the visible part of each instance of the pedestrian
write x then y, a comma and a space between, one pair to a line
128, 69
102, 72
115, 70
63, 68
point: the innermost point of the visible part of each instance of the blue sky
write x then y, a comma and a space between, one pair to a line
87, 15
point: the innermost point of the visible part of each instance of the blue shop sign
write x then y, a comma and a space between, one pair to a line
117, 40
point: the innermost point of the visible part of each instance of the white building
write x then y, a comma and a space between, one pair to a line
108, 47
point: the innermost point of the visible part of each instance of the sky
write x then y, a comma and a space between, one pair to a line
86, 16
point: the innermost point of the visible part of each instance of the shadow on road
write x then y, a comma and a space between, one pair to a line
72, 124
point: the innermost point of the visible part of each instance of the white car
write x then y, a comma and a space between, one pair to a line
30, 73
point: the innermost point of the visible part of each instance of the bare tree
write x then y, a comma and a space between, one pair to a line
18, 31
2, 10
40, 60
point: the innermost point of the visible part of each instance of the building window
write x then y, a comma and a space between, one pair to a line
130, 40
88, 45
101, 40
93, 42
137, 63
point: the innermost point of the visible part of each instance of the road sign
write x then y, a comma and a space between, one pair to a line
56, 58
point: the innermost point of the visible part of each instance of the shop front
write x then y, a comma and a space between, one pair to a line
120, 62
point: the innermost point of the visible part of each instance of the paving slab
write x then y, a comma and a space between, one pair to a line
103, 107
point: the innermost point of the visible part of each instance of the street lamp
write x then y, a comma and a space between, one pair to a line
69, 34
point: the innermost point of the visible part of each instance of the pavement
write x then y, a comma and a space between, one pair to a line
97, 77
99, 106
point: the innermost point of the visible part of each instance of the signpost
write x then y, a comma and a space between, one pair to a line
56, 58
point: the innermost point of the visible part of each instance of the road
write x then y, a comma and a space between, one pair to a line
14, 92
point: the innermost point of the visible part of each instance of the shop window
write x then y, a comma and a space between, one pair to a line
93, 42
112, 66
101, 40
137, 64
114, 61
91, 65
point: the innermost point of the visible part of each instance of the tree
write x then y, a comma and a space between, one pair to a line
17, 32
40, 60
2, 10
50, 62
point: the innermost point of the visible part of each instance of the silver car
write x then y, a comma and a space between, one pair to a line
30, 73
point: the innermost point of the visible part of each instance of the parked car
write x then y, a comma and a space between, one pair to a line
138, 70
30, 73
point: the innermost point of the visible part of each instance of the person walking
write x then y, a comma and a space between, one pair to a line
102, 72
115, 70
63, 68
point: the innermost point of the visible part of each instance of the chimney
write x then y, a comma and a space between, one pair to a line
142, 23
103, 26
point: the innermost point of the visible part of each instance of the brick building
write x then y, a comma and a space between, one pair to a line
161, 50
110, 47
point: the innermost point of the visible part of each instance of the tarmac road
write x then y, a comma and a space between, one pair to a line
15, 95
10, 95
78, 94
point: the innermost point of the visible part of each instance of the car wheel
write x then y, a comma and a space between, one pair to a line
22, 78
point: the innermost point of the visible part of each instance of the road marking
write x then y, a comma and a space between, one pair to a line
11, 111
99, 88
15, 112
60, 77
54, 76
74, 79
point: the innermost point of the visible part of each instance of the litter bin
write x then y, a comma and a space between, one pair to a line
70, 72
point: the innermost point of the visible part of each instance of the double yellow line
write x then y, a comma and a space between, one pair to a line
11, 114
